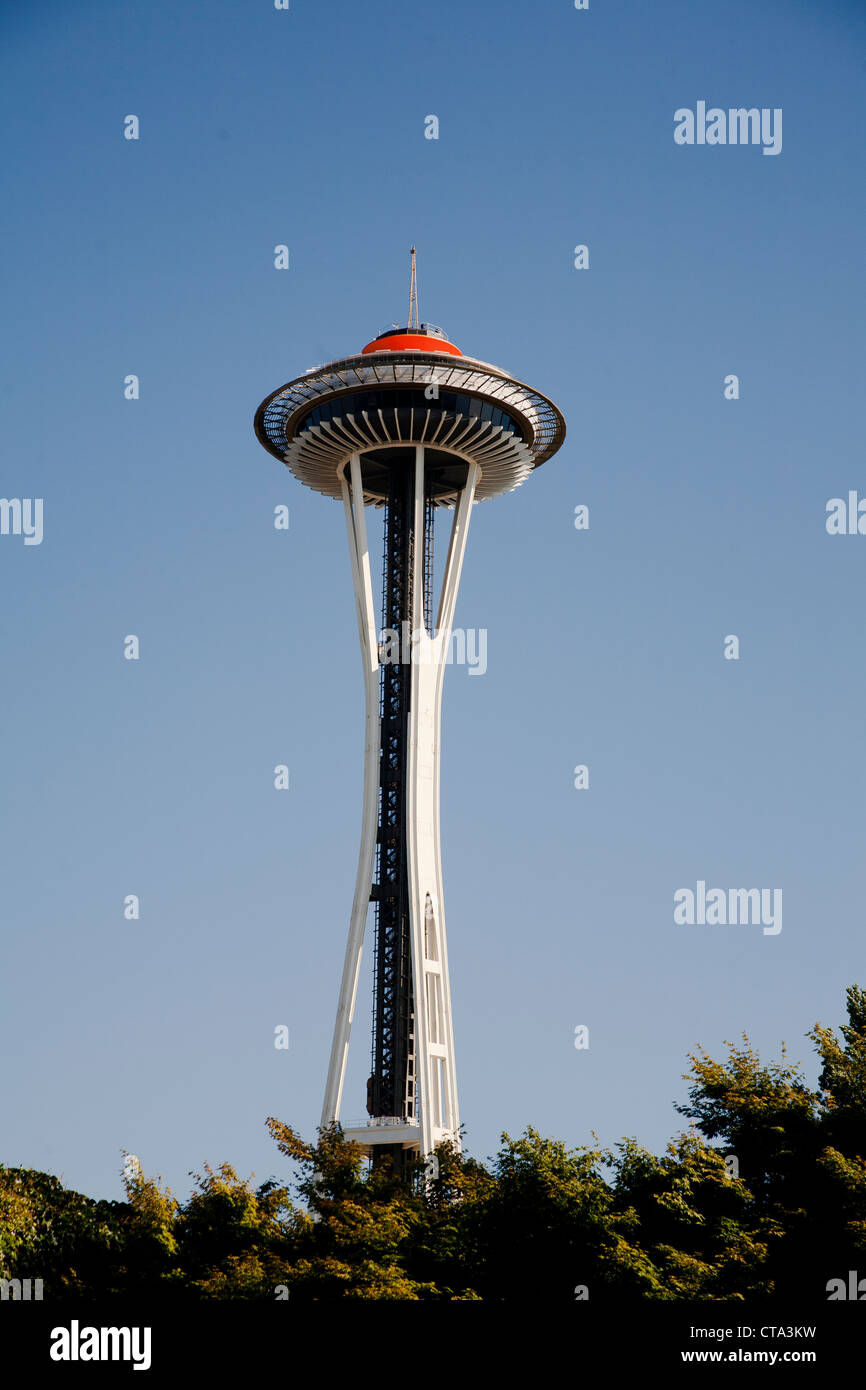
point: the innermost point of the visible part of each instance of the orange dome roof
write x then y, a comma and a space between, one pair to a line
411, 340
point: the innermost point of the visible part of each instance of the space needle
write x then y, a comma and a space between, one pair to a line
412, 427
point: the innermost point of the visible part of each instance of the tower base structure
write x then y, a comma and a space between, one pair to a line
414, 1084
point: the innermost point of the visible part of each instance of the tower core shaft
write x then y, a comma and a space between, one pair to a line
392, 1081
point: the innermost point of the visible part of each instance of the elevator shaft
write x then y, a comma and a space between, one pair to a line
392, 1087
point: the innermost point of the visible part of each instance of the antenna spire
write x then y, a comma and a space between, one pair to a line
413, 291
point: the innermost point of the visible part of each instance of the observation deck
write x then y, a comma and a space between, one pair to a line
408, 387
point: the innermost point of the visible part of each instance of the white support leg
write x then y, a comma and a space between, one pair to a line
353, 500
434, 1034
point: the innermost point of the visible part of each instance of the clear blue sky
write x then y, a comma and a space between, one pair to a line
707, 518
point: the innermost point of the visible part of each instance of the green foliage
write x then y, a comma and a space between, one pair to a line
801, 1152
537, 1229
48, 1232
843, 1074
362, 1226
537, 1222
685, 1227
234, 1239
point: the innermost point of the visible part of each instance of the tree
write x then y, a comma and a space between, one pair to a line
685, 1227
355, 1241
801, 1152
842, 1159
233, 1239
48, 1232
537, 1231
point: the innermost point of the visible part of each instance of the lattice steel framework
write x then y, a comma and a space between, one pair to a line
392, 1080
392, 1086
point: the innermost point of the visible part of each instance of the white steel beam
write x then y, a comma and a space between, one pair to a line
360, 559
